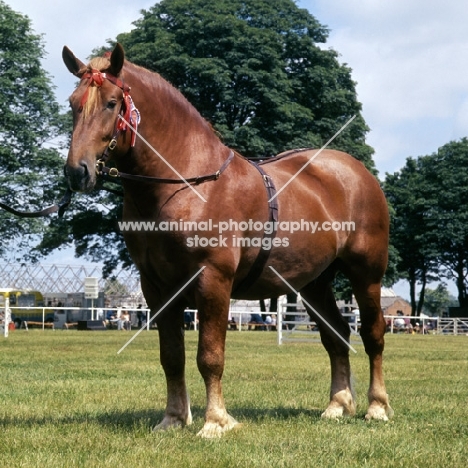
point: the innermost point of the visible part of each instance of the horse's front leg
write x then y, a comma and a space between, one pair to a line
172, 355
213, 308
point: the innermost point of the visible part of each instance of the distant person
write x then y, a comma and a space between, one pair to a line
189, 319
399, 323
124, 321
232, 325
270, 323
110, 318
139, 315
256, 322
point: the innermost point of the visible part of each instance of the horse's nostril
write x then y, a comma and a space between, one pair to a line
79, 176
84, 167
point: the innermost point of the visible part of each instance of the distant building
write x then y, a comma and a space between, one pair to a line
391, 303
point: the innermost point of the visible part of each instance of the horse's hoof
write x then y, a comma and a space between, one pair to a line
172, 422
379, 412
341, 405
165, 425
333, 413
213, 430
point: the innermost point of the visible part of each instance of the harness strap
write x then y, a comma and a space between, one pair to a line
113, 172
61, 206
259, 264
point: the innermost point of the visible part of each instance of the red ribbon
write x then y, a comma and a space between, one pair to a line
129, 114
95, 78
128, 111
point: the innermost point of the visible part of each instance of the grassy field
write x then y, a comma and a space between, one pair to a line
68, 400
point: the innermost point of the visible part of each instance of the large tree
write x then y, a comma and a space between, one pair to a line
438, 300
30, 121
448, 172
410, 196
430, 224
257, 70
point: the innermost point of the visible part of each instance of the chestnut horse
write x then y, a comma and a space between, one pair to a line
173, 140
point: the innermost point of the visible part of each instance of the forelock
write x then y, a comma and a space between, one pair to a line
94, 96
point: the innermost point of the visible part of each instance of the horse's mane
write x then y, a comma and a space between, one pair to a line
148, 79
165, 90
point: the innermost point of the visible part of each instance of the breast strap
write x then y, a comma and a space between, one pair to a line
263, 255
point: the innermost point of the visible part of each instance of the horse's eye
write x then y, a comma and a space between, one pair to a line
111, 104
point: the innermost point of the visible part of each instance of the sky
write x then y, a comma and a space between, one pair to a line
409, 59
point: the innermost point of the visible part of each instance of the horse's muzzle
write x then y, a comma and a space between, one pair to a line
80, 178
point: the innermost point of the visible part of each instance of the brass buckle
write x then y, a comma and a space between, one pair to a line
112, 144
113, 172
99, 165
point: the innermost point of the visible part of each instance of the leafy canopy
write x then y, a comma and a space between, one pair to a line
29, 122
429, 226
254, 70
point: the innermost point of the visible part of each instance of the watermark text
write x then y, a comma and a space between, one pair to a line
210, 233
220, 227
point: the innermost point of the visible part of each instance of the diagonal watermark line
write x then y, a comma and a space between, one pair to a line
314, 310
162, 158
161, 309
312, 158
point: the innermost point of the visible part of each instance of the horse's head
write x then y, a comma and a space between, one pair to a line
97, 104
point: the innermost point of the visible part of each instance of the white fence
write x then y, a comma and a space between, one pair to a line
452, 326
301, 328
64, 317
289, 325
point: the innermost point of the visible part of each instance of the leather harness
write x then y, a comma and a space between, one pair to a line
127, 113
262, 257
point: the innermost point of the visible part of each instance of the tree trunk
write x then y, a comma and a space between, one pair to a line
421, 296
412, 282
459, 269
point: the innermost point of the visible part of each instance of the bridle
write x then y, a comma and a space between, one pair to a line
128, 119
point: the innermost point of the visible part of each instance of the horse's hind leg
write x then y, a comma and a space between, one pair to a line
319, 295
372, 334
366, 287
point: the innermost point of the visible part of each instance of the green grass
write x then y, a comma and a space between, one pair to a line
68, 400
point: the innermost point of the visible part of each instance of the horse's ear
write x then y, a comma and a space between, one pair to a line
117, 60
73, 64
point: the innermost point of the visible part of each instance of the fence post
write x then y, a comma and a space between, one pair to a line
6, 317
279, 326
